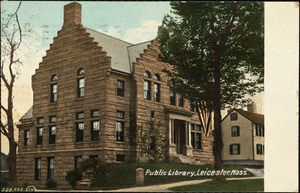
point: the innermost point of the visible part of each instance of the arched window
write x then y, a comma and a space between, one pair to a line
147, 86
156, 77
80, 82
53, 88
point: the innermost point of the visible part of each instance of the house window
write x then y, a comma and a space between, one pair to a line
50, 168
120, 131
120, 158
181, 100
40, 121
196, 137
172, 97
235, 131
80, 82
152, 114
260, 131
147, 86
152, 143
233, 116
95, 114
95, 130
234, 149
259, 149
77, 160
54, 89
93, 156
39, 137
37, 169
120, 88
26, 137
120, 114
79, 126
156, 92
192, 106
52, 129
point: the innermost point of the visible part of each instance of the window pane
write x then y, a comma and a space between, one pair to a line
53, 119
40, 131
53, 130
120, 114
95, 125
233, 116
80, 115
80, 126
40, 120
95, 113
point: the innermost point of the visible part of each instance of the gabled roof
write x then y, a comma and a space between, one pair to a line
27, 115
122, 53
254, 117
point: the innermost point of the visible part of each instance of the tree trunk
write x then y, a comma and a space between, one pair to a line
218, 143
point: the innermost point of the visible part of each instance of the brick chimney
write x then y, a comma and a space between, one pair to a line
72, 14
251, 107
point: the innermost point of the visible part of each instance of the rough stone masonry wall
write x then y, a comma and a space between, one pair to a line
72, 49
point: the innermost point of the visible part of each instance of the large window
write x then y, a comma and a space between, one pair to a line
120, 88
196, 137
37, 169
80, 82
50, 168
234, 149
147, 86
26, 137
79, 126
235, 131
39, 137
172, 97
259, 149
54, 88
52, 129
120, 125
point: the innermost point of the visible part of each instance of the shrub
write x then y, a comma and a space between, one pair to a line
73, 176
51, 183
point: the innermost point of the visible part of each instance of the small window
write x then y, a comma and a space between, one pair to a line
120, 114
95, 113
172, 97
77, 160
79, 131
37, 169
80, 72
235, 131
147, 74
157, 77
80, 115
234, 149
53, 92
120, 131
80, 82
259, 149
121, 88
40, 121
52, 134
147, 89
181, 100
152, 114
26, 137
53, 119
95, 130
93, 156
192, 106
156, 92
54, 77
120, 158
152, 143
233, 116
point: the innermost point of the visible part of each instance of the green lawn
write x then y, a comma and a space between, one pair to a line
249, 185
123, 174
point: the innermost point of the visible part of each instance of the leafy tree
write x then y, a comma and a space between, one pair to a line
217, 49
73, 176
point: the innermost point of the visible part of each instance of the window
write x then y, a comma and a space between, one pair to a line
260, 131
120, 88
77, 160
172, 97
26, 137
259, 149
40, 121
181, 100
235, 131
50, 168
80, 82
120, 158
39, 137
93, 156
196, 137
95, 113
234, 149
52, 129
37, 169
152, 114
147, 86
95, 130
79, 126
192, 106
54, 90
156, 92
233, 116
120, 115
152, 143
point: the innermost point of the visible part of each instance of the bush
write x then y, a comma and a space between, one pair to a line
51, 183
73, 176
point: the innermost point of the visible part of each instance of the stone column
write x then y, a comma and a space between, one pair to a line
139, 177
172, 146
188, 145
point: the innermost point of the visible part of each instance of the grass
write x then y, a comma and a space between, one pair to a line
123, 175
249, 185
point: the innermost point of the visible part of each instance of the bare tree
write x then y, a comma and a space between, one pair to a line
11, 39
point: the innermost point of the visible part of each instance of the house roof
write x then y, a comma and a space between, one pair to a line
122, 53
254, 117
27, 115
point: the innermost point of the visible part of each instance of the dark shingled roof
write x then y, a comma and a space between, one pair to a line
254, 117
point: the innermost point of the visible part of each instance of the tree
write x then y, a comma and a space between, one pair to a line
217, 49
